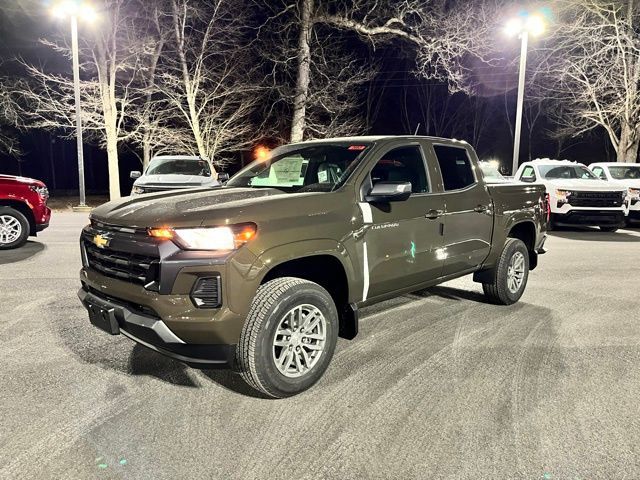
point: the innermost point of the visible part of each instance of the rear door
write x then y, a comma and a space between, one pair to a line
468, 209
401, 239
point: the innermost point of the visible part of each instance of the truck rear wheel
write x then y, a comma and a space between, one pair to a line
510, 275
14, 228
288, 338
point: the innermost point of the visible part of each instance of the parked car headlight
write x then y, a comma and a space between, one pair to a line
563, 195
634, 193
40, 190
137, 190
208, 238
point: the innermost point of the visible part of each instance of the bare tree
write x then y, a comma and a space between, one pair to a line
46, 100
442, 36
9, 144
592, 69
209, 75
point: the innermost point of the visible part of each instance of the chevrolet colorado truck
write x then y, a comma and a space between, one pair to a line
265, 273
23, 210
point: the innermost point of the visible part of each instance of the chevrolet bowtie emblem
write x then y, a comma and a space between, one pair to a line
100, 241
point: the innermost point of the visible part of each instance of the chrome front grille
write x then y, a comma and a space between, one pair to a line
130, 267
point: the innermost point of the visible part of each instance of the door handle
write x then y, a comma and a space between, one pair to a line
481, 209
433, 214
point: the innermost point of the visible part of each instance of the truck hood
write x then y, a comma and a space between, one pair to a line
584, 185
629, 183
173, 181
177, 208
14, 179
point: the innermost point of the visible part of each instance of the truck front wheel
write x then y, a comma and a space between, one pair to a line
288, 338
509, 278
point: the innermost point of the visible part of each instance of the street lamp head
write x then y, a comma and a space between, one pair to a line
514, 26
74, 8
535, 25
532, 24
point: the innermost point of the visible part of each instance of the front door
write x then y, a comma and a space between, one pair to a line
469, 211
402, 239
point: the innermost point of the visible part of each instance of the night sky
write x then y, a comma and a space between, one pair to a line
54, 160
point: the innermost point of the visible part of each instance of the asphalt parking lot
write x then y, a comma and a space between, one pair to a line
438, 384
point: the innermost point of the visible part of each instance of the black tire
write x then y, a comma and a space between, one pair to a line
608, 228
498, 291
255, 351
24, 226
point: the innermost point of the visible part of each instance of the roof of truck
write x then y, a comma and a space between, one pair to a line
377, 138
615, 164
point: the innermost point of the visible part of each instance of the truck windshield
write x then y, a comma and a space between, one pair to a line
551, 172
625, 173
312, 168
179, 166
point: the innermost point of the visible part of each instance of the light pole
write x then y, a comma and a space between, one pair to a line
523, 25
74, 9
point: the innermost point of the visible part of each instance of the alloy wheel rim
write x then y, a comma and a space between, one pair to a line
299, 340
10, 229
515, 272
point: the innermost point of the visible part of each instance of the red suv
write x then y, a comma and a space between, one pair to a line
23, 210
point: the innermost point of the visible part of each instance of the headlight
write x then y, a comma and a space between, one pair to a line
42, 191
137, 190
563, 195
634, 193
208, 238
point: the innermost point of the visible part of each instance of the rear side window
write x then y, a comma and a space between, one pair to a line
455, 166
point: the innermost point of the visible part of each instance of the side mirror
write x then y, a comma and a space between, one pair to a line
223, 177
384, 192
135, 174
528, 179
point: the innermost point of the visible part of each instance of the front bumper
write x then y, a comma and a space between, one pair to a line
117, 317
589, 217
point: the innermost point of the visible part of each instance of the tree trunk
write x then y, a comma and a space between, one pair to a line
304, 70
114, 169
146, 150
627, 150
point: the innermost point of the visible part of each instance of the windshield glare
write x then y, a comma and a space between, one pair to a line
312, 168
625, 173
179, 166
566, 172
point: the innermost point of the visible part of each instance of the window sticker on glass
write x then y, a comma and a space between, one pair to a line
288, 171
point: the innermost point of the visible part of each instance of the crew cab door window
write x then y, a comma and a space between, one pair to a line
400, 243
403, 164
528, 174
468, 223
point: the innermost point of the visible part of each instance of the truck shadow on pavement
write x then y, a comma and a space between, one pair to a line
30, 249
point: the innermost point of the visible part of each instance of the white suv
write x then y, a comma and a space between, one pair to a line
625, 175
577, 196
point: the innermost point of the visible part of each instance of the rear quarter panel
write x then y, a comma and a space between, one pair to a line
513, 204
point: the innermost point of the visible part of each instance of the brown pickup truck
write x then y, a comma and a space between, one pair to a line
263, 274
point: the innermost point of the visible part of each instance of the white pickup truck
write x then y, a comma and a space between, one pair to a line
576, 195
625, 175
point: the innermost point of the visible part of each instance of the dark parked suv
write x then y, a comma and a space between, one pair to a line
23, 210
